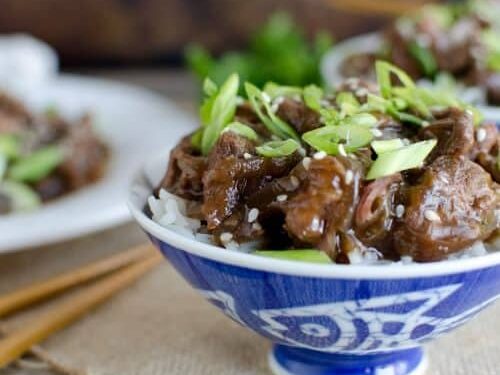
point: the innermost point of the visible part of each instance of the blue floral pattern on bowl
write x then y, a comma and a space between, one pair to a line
331, 319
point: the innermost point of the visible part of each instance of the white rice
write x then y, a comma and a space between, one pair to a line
170, 212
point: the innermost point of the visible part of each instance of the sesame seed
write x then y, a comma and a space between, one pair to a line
342, 150
400, 210
306, 162
226, 237
294, 181
432, 216
319, 155
256, 226
335, 182
425, 123
361, 92
481, 135
349, 177
282, 197
377, 132
275, 107
253, 214
247, 156
266, 97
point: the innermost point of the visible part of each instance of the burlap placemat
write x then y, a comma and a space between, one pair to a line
161, 326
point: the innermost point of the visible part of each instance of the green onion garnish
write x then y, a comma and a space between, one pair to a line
3, 166
38, 165
360, 119
241, 129
261, 105
424, 57
335, 140
347, 103
313, 96
387, 145
23, 198
9, 146
384, 70
407, 157
309, 256
275, 149
217, 110
274, 90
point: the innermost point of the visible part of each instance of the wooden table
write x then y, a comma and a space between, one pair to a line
473, 350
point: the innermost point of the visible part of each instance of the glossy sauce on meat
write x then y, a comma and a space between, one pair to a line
313, 200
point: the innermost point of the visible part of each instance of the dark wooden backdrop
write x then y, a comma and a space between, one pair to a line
89, 31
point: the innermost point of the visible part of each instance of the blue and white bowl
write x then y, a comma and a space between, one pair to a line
328, 319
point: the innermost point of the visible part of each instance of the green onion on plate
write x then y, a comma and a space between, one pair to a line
275, 149
261, 103
335, 140
37, 165
309, 256
22, 197
401, 159
387, 145
241, 129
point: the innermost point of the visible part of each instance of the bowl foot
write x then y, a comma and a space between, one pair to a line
285, 360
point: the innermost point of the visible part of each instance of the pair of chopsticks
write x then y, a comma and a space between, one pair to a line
113, 274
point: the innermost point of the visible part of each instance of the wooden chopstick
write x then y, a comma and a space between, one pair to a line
20, 341
378, 7
29, 295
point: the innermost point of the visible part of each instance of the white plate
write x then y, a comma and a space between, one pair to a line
332, 61
133, 121
371, 43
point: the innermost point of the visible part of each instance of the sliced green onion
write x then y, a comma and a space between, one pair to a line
384, 70
387, 145
209, 87
22, 197
347, 103
401, 159
424, 57
37, 165
360, 119
406, 117
274, 90
412, 98
241, 129
272, 122
275, 149
329, 116
332, 139
375, 103
3, 166
218, 110
196, 138
10, 146
313, 96
309, 256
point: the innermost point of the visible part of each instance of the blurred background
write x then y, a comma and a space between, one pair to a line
132, 32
